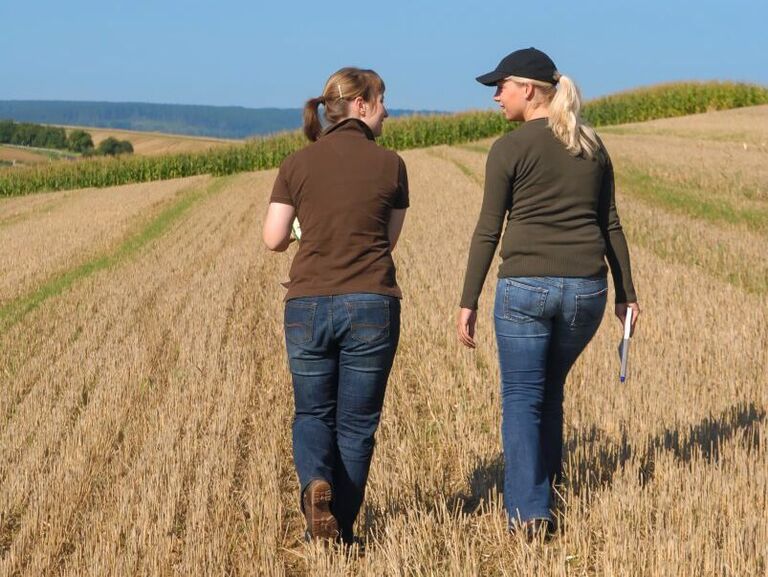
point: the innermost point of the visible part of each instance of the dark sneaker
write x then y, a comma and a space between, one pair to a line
535, 530
355, 546
321, 524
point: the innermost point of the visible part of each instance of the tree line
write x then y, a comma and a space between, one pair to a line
55, 137
194, 120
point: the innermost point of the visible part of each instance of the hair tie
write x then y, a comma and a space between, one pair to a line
341, 94
321, 99
556, 76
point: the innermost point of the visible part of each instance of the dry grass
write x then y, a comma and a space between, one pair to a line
145, 414
57, 231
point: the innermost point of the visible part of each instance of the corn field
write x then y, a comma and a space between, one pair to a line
400, 134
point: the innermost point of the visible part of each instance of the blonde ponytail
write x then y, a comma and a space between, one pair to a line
566, 123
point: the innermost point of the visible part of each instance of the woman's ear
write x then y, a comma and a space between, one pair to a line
530, 90
360, 105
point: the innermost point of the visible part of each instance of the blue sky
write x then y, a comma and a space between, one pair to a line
256, 54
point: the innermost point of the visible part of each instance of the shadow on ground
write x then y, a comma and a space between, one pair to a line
607, 456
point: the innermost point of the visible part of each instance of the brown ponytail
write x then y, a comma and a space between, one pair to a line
341, 88
312, 126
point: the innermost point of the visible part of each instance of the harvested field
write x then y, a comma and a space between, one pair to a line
21, 155
740, 125
155, 143
58, 231
146, 406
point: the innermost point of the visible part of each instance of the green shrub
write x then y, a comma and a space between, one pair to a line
111, 146
80, 141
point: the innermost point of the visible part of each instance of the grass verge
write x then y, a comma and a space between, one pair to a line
15, 310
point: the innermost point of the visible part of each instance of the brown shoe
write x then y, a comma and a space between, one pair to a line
321, 524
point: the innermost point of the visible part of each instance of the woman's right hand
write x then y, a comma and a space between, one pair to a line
465, 326
621, 313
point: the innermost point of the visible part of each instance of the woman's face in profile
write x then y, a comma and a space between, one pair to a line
376, 115
511, 98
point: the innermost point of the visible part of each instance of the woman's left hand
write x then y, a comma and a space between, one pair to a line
465, 326
621, 313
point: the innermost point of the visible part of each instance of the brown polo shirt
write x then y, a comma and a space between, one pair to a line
344, 187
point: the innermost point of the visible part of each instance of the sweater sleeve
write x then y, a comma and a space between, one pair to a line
497, 199
617, 251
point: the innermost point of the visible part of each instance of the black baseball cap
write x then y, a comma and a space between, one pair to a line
526, 63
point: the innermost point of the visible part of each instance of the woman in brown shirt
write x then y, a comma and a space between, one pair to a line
342, 309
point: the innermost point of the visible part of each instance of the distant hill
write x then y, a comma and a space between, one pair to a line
193, 120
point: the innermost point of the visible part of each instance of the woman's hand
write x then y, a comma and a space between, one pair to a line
621, 313
465, 326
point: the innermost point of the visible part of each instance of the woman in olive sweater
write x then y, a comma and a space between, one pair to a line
552, 181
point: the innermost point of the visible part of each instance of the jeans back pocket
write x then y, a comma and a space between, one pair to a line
299, 321
369, 320
589, 308
523, 303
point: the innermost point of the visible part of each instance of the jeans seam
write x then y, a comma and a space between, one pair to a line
527, 286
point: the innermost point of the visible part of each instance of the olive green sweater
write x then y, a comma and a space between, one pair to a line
560, 212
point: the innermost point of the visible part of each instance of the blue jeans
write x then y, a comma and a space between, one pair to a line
542, 326
340, 351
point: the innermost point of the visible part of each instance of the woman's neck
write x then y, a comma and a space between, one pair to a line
538, 112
